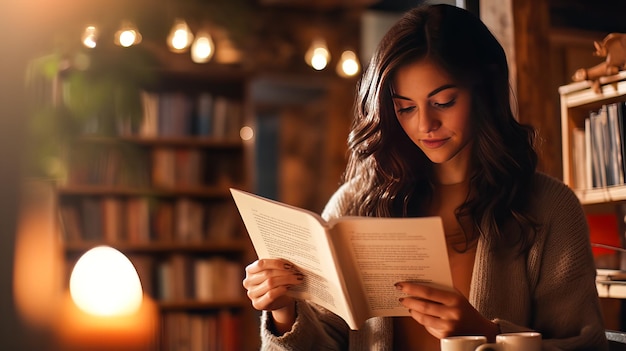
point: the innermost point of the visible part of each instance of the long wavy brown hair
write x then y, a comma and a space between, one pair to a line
389, 176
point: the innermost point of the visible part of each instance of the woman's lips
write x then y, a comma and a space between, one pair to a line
433, 143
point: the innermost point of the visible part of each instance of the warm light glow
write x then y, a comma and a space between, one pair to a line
348, 65
38, 262
228, 52
90, 36
127, 38
202, 48
105, 283
180, 37
318, 55
128, 35
246, 133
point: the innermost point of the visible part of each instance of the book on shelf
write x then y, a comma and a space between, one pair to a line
350, 264
579, 163
207, 279
206, 331
70, 222
588, 156
598, 149
180, 114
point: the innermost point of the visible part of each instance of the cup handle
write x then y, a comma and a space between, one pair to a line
488, 347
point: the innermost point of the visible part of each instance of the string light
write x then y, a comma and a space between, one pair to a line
318, 55
348, 65
180, 37
202, 48
90, 37
128, 35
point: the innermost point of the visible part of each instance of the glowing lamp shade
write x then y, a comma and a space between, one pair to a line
105, 283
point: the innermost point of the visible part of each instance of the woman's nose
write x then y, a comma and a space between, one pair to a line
427, 122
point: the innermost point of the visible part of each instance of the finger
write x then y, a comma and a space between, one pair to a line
267, 264
271, 299
424, 307
272, 279
428, 292
427, 320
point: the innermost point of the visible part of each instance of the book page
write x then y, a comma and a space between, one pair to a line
298, 236
390, 250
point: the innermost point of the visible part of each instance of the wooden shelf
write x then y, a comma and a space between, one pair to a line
601, 195
194, 305
582, 93
191, 141
233, 246
101, 190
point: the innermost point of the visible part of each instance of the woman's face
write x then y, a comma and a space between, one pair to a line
433, 111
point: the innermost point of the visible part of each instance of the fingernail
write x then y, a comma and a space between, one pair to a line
287, 265
401, 299
299, 276
398, 286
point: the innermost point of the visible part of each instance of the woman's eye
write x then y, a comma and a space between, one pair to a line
405, 109
445, 104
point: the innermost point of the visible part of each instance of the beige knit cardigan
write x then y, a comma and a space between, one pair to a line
551, 289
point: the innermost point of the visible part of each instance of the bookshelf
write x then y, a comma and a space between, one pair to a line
580, 105
158, 191
578, 102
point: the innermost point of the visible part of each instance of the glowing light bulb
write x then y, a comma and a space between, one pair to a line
128, 35
202, 48
348, 65
180, 37
318, 55
246, 133
90, 37
105, 283
127, 38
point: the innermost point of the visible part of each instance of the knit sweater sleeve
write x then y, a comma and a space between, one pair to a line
315, 329
561, 270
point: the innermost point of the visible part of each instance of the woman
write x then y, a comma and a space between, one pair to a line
434, 135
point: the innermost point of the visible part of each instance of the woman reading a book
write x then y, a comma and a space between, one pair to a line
434, 135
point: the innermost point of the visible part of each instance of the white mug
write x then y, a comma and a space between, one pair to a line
462, 343
522, 341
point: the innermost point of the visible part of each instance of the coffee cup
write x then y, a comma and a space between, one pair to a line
462, 343
522, 341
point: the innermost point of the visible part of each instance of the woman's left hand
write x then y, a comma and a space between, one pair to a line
444, 313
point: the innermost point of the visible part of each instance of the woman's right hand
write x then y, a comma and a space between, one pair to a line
267, 282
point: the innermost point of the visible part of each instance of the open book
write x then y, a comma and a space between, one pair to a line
350, 264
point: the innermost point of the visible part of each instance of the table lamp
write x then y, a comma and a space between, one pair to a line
106, 308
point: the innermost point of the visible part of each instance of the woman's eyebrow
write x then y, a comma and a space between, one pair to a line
396, 96
432, 93
443, 87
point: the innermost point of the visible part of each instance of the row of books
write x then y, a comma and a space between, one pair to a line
161, 167
172, 114
108, 164
201, 332
205, 279
177, 167
141, 220
599, 149
189, 167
